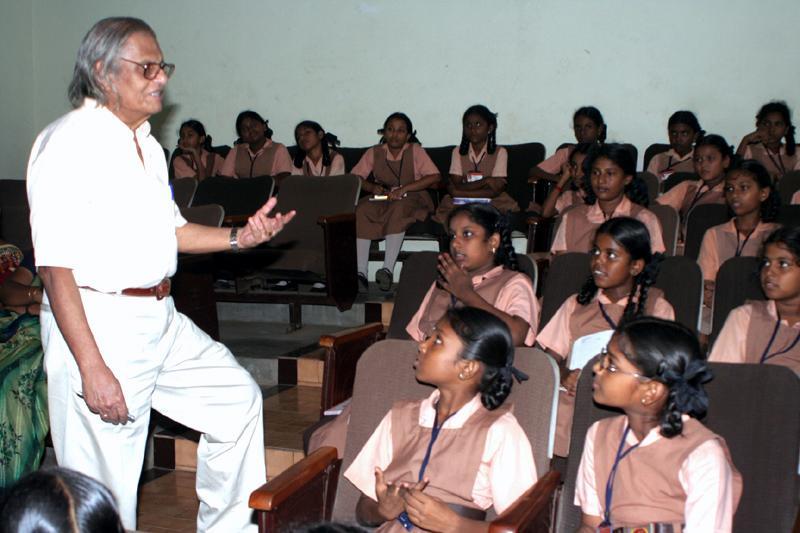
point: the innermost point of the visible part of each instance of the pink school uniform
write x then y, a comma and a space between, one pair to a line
493, 454
553, 164
724, 241
688, 480
576, 231
776, 164
688, 194
183, 166
667, 163
270, 160
309, 168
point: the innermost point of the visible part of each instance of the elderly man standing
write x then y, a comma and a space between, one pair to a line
106, 234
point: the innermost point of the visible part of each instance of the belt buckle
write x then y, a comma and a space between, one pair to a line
163, 289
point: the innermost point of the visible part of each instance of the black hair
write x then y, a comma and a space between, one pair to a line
689, 119
253, 116
490, 118
669, 353
622, 156
633, 236
328, 143
593, 114
772, 204
59, 500
492, 221
585, 149
787, 236
781, 108
412, 135
199, 129
718, 142
487, 339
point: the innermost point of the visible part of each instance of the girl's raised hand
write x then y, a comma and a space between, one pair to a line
754, 137
453, 278
428, 512
390, 497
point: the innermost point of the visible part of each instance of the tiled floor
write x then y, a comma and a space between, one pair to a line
168, 503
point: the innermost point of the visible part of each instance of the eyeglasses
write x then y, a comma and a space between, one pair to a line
606, 364
151, 69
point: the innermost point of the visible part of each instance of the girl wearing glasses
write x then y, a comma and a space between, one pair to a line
768, 331
655, 465
623, 270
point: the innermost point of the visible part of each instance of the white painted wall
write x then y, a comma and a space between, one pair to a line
349, 63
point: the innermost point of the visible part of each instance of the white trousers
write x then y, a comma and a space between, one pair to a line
164, 361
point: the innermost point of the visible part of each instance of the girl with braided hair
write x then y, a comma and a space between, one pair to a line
194, 157
656, 465
765, 144
316, 151
480, 271
613, 190
683, 130
465, 422
478, 167
623, 271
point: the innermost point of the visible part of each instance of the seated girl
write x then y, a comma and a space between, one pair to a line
588, 126
656, 465
480, 271
573, 177
623, 271
768, 331
256, 154
613, 190
464, 422
684, 131
754, 202
194, 158
316, 155
478, 167
401, 171
712, 157
23, 386
765, 144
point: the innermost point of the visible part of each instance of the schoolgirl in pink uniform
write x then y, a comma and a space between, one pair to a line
684, 131
766, 144
256, 154
316, 151
588, 126
570, 190
195, 158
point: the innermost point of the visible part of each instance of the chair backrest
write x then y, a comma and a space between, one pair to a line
653, 184
701, 218
419, 272
521, 158
789, 215
15, 226
222, 150
670, 220
682, 282
737, 281
567, 273
302, 242
237, 196
653, 150
788, 185
205, 215
183, 191
13, 193
441, 155
351, 156
677, 178
754, 407
385, 376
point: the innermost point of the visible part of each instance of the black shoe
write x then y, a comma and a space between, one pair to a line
363, 282
384, 279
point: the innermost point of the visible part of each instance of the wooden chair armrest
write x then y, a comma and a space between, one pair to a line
269, 496
345, 336
336, 218
533, 511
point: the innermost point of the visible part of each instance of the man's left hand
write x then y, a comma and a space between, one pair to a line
261, 227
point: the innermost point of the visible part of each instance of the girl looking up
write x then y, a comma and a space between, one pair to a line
316, 151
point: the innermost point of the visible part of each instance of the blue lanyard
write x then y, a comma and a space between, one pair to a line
613, 474
608, 318
403, 517
766, 355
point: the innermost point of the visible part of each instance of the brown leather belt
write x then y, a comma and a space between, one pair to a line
160, 291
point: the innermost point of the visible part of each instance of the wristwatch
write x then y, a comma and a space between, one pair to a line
234, 239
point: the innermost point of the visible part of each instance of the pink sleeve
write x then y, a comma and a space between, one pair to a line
654, 227
297, 171
674, 197
560, 240
500, 169
423, 166
518, 299
732, 340
228, 167
377, 452
796, 196
708, 258
337, 165
654, 165
366, 163
586, 495
553, 164
707, 479
555, 335
283, 161
748, 152
181, 170
663, 309
455, 163
564, 200
512, 469
413, 326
